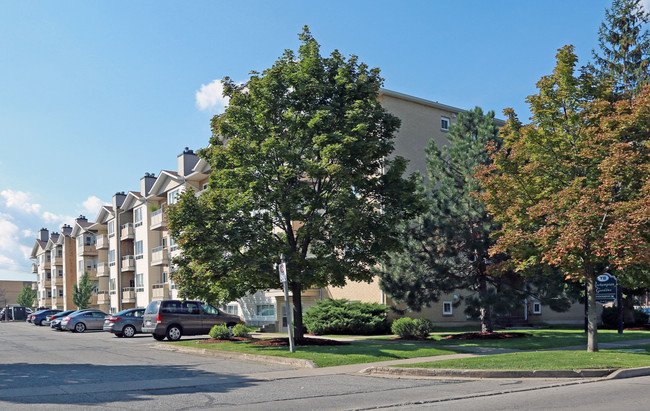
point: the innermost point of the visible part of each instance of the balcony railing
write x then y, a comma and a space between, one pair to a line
58, 261
92, 273
160, 291
59, 280
47, 283
88, 250
34, 268
127, 232
159, 256
128, 295
102, 242
102, 270
103, 297
158, 220
128, 263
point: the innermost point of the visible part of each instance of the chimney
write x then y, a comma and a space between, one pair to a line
66, 230
81, 219
118, 200
146, 183
43, 234
186, 162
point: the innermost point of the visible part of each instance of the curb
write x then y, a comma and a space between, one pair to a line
230, 355
629, 373
441, 372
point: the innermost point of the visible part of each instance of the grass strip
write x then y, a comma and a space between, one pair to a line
545, 360
328, 356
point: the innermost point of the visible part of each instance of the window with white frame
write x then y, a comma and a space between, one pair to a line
137, 217
111, 229
231, 309
172, 196
80, 268
163, 277
60, 272
111, 258
60, 292
444, 123
265, 310
138, 250
172, 244
111, 286
447, 308
139, 282
537, 307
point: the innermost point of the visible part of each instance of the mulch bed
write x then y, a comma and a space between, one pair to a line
485, 336
277, 342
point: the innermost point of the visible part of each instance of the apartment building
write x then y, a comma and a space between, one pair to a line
42, 268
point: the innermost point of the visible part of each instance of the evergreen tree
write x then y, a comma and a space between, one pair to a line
81, 293
622, 61
27, 297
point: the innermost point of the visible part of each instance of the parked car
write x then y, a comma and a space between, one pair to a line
173, 319
57, 316
84, 320
126, 323
39, 317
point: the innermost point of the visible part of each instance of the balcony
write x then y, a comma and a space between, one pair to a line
57, 302
47, 283
34, 268
103, 297
159, 256
101, 242
128, 263
92, 302
128, 295
88, 250
102, 270
127, 232
59, 281
58, 261
160, 291
92, 273
158, 220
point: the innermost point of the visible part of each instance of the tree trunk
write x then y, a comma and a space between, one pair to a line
298, 329
486, 312
628, 309
592, 317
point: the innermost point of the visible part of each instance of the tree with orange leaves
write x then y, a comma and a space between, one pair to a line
572, 188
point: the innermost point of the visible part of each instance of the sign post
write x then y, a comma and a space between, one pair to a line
282, 268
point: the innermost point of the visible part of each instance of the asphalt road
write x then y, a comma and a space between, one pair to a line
44, 369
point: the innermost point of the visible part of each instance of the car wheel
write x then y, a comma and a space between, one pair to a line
174, 333
80, 327
128, 331
158, 337
41, 323
230, 327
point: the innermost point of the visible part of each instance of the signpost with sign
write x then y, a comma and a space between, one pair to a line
282, 270
606, 288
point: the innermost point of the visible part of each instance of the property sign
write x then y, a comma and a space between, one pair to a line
282, 268
606, 288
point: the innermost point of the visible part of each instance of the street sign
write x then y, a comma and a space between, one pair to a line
282, 268
606, 288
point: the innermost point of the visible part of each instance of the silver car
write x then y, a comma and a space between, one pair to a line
126, 323
84, 320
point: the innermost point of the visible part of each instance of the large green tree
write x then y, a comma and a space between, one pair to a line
82, 292
26, 297
301, 167
447, 247
623, 58
570, 189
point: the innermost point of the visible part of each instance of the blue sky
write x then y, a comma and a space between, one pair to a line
95, 94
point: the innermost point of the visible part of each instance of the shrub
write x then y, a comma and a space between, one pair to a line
220, 332
408, 328
344, 317
240, 330
610, 317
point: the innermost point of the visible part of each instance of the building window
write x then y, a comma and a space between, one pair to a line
60, 292
111, 286
111, 258
60, 272
537, 307
172, 244
138, 250
231, 309
137, 216
163, 277
111, 229
444, 123
265, 310
139, 283
447, 308
172, 196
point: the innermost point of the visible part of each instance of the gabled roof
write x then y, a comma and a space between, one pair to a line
106, 213
52, 241
161, 181
132, 199
81, 227
38, 248
200, 171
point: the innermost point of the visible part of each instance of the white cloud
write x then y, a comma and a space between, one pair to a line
27, 233
211, 97
56, 220
92, 206
7, 263
8, 234
19, 200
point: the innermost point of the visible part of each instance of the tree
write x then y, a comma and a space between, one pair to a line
301, 167
571, 189
624, 55
26, 297
81, 293
447, 248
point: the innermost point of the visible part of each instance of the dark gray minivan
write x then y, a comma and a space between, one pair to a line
175, 318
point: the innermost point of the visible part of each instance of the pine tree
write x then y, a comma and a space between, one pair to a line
81, 293
622, 62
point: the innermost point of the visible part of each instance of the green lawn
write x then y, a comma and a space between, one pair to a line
327, 356
545, 360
